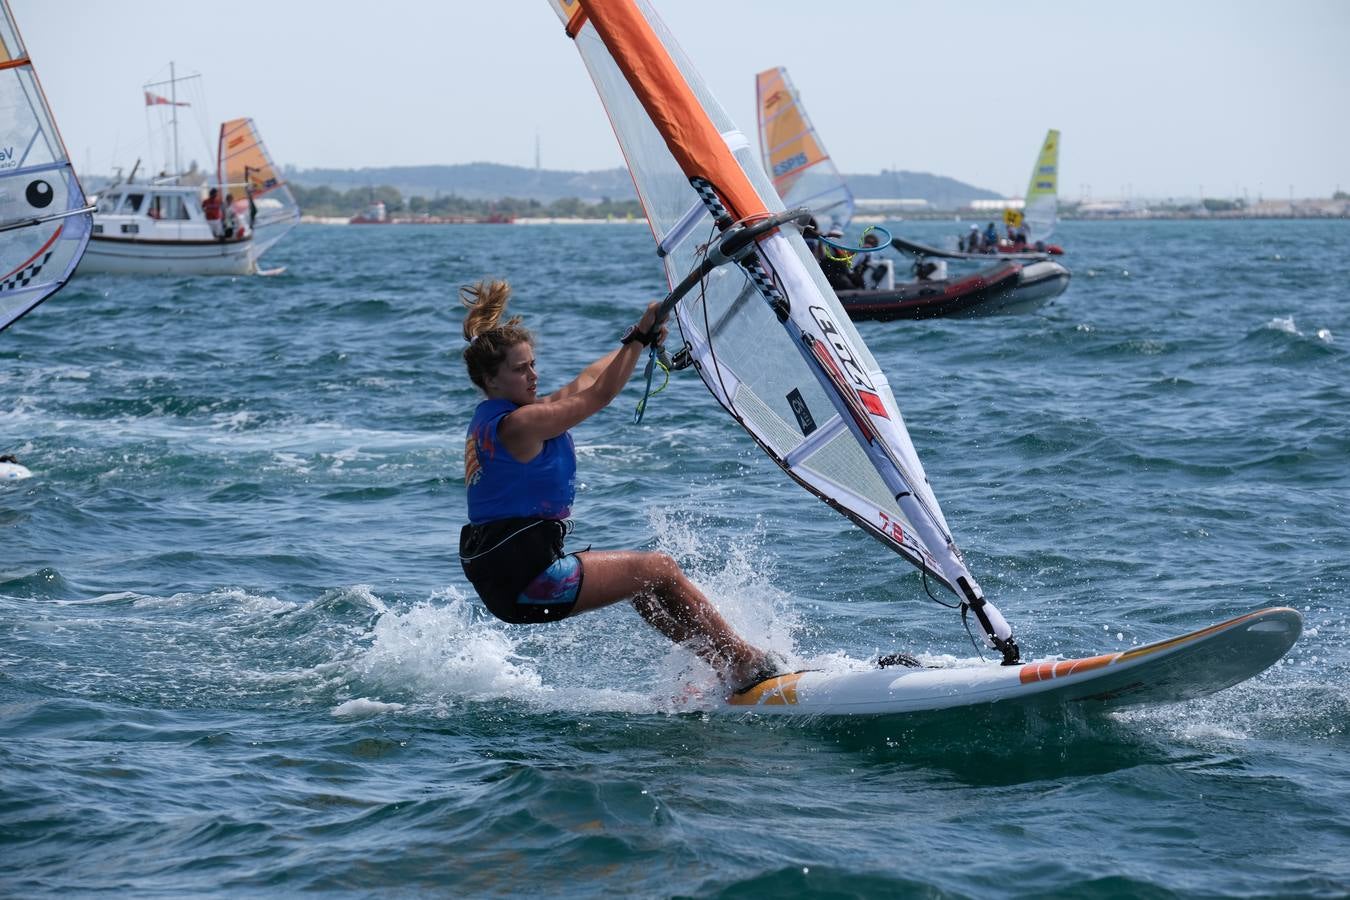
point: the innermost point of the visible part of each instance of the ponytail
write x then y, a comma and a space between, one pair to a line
489, 340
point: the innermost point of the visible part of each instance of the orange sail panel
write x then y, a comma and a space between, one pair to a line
259, 192
670, 103
787, 140
802, 172
244, 159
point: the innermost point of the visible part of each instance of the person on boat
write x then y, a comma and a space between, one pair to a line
990, 238
870, 270
811, 235
836, 264
211, 208
234, 225
971, 244
520, 475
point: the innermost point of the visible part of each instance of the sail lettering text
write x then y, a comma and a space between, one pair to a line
789, 164
891, 528
841, 349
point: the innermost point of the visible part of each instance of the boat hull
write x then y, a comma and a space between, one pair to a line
1003, 289
115, 256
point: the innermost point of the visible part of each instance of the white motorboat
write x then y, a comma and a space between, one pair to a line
161, 226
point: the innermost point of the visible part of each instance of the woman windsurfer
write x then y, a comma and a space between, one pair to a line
520, 473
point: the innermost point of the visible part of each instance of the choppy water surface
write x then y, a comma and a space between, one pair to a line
238, 656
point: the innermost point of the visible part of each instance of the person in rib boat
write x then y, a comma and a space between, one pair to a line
520, 472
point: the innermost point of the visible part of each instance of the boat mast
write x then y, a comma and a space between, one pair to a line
173, 98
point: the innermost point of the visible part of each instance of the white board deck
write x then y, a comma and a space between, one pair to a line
1168, 671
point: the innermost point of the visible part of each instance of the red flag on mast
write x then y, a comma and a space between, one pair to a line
157, 100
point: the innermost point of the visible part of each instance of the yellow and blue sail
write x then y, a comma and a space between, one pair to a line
1041, 212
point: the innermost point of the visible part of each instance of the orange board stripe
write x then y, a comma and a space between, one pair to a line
1047, 670
780, 691
1186, 638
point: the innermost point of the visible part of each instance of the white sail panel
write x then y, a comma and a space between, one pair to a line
44, 217
803, 173
857, 457
1042, 204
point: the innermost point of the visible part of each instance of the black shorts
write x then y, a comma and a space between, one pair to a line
519, 569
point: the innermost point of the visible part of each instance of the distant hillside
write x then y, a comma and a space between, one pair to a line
490, 181
939, 190
478, 181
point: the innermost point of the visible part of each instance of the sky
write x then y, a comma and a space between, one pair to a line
1153, 99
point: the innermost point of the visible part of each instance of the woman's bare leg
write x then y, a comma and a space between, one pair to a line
671, 603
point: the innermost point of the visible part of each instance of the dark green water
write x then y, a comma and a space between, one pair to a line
238, 656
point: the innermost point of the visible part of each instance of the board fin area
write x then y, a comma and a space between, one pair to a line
776, 690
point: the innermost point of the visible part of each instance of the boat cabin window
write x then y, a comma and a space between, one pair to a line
168, 207
173, 208
131, 203
108, 202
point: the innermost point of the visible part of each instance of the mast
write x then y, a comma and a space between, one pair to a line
824, 383
173, 103
173, 98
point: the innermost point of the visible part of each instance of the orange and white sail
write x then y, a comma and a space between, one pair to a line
768, 335
802, 172
44, 218
246, 171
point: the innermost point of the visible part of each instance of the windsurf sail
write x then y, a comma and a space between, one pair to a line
767, 335
246, 170
44, 217
802, 172
1042, 204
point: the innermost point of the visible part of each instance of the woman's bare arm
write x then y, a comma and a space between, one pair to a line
587, 378
524, 431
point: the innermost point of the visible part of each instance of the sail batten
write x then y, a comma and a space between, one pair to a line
44, 216
770, 340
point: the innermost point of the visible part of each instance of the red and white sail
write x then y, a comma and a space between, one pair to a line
44, 217
802, 383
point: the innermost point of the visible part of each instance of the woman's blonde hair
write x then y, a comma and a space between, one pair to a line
488, 338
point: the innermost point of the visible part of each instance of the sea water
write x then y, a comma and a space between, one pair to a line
238, 656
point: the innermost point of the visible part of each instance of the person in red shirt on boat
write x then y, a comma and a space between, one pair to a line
211, 207
520, 474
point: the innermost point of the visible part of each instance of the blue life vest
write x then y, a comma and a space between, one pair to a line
500, 487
